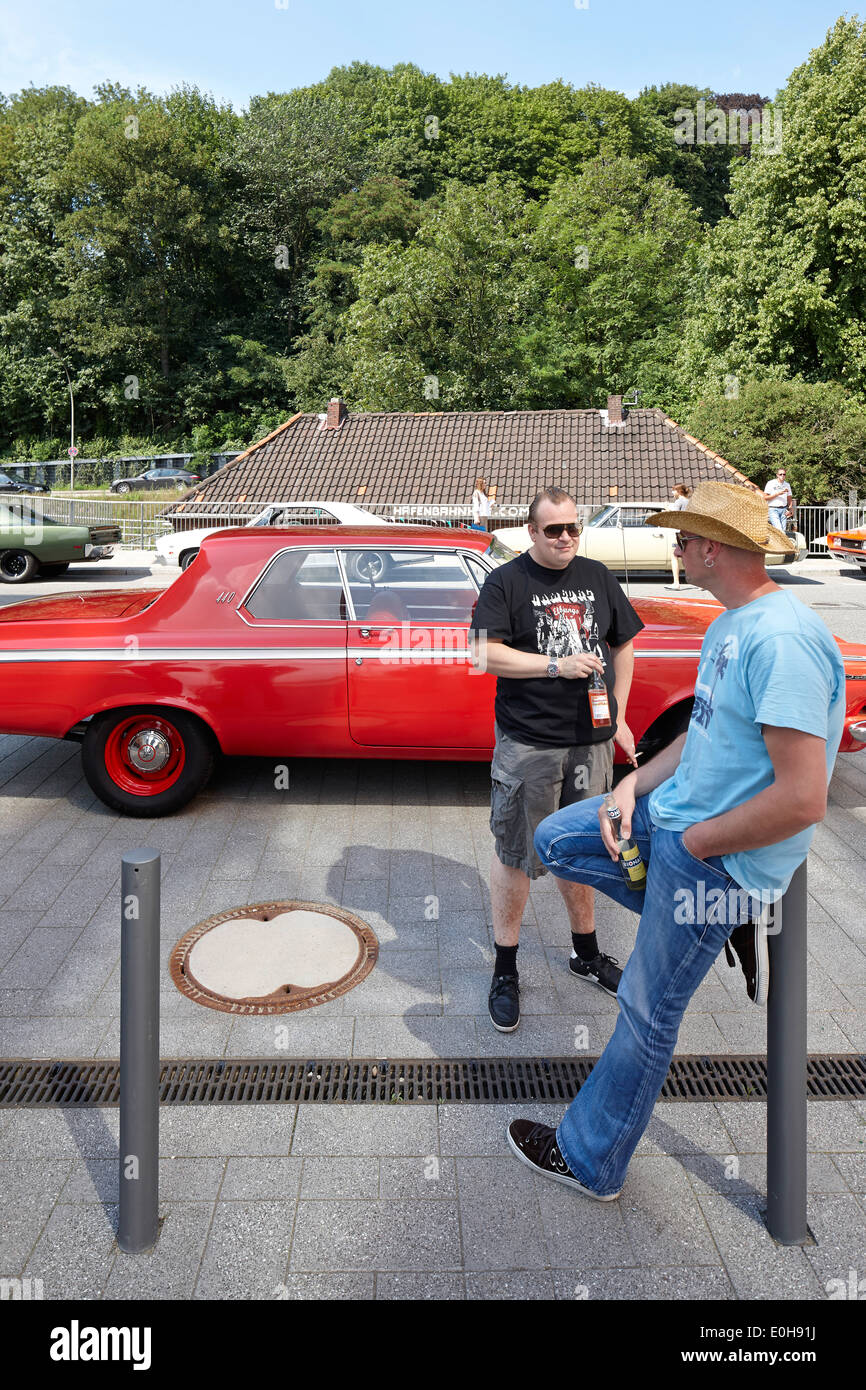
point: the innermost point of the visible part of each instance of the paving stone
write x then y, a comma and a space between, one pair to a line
685, 1128
270, 1176
677, 1284
757, 1267
402, 981
15, 928
328, 1288
838, 1223
376, 1130
428, 1177
18, 1003
181, 1179
510, 1285
200, 1131
38, 958
169, 1270
420, 1287
853, 1025
542, 1035
389, 1235
481, 1129
581, 1231
245, 1256
708, 1173
700, 1033
52, 1037
661, 1215
499, 1215
852, 1168
75, 1252
831, 1126
283, 1036
347, 1178
29, 1189
414, 1035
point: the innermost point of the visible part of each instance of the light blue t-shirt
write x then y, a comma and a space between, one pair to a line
772, 661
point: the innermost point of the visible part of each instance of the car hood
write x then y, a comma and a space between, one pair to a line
107, 603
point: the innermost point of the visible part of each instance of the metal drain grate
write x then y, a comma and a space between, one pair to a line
360, 1081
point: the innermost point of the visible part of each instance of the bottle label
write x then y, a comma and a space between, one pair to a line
633, 866
599, 708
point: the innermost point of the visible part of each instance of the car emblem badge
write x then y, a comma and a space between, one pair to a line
226, 596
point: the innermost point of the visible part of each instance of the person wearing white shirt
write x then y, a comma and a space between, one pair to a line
480, 505
681, 495
780, 499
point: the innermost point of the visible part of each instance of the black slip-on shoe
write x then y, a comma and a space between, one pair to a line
504, 1003
535, 1145
602, 970
749, 944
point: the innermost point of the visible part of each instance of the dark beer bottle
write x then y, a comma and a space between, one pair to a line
631, 865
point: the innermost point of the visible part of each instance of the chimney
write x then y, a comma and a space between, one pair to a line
614, 410
336, 413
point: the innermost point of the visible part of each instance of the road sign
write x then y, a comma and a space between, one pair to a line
72, 452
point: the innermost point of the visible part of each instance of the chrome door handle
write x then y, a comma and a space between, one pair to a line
365, 632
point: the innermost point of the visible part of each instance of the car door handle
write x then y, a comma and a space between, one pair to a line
368, 632
365, 632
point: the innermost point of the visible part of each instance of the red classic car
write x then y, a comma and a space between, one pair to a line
321, 641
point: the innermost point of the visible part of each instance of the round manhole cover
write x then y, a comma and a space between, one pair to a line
272, 958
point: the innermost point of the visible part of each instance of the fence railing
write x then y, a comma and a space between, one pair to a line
144, 521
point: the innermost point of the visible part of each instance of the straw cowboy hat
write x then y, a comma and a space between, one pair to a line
728, 513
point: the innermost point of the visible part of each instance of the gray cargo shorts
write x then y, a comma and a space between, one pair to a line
530, 783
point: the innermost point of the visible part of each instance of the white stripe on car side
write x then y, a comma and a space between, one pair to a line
383, 653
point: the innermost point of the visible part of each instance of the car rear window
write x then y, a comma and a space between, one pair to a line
300, 585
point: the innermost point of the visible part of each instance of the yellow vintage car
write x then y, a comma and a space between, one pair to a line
618, 536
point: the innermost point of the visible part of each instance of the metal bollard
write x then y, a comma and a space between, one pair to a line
138, 1221
786, 1070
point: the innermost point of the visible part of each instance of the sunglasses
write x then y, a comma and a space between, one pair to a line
682, 541
555, 530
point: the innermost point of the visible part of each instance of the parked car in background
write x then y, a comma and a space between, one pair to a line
618, 536
181, 547
10, 484
156, 478
848, 545
270, 648
32, 544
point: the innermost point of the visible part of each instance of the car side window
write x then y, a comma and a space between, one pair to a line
409, 586
299, 586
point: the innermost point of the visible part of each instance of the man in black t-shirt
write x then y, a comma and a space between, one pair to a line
557, 633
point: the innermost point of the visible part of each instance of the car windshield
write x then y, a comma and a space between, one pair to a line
499, 553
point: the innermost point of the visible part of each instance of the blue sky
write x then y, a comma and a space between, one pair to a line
237, 48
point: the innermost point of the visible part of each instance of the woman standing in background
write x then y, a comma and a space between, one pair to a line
480, 505
681, 495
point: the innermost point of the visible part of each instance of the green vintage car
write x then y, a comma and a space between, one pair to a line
32, 543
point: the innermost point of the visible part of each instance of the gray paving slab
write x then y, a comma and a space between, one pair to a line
352, 1179
429, 1285
52, 1037
510, 1285
355, 1288
427, 1176
38, 958
59, 1134
18, 1003
304, 1034
679, 1284
375, 1130
29, 1189
246, 1251
76, 1251
580, 1231
192, 1131
180, 1179
755, 1265
480, 1129
169, 1270
852, 1168
662, 1216
831, 1126
499, 1215
746, 1174
685, 1129
276, 1177
402, 981
414, 1035
387, 1235
838, 1223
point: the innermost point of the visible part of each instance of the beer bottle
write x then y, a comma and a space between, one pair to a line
599, 704
631, 865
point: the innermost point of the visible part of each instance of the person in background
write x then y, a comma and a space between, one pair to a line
681, 495
780, 499
480, 505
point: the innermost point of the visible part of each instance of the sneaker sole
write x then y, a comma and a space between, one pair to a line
503, 1028
762, 969
558, 1177
591, 980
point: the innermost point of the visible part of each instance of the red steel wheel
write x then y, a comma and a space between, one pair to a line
147, 762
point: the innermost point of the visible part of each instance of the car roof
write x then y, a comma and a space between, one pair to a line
434, 536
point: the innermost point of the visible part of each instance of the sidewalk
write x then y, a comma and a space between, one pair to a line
389, 1201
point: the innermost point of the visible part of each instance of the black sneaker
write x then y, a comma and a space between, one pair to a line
504, 1003
535, 1145
750, 944
602, 970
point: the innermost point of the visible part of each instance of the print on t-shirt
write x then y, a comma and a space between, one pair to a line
565, 623
722, 653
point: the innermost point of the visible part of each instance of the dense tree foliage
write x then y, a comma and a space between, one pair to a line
419, 244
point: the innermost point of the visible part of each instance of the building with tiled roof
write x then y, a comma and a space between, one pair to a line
434, 458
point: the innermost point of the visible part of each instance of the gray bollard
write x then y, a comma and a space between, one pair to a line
786, 1070
138, 1220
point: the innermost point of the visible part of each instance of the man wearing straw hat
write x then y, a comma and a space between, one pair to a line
722, 817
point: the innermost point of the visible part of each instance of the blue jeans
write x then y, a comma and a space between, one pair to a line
684, 924
777, 518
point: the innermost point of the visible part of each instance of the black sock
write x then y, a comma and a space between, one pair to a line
585, 945
506, 960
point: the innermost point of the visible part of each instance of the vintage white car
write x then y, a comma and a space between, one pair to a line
181, 547
618, 536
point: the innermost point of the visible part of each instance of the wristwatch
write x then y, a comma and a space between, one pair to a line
553, 668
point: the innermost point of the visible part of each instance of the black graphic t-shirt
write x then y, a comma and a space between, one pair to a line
557, 613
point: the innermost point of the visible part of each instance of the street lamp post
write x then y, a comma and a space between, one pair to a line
72, 449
